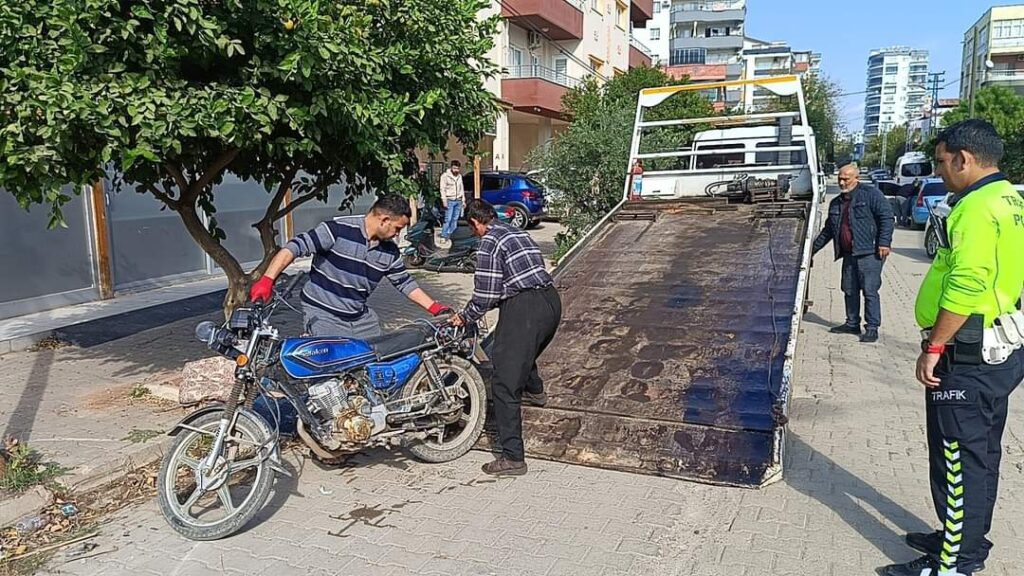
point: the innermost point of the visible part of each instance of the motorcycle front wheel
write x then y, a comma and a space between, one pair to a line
455, 438
211, 504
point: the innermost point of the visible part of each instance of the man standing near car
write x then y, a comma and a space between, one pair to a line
453, 194
351, 255
971, 358
860, 225
511, 276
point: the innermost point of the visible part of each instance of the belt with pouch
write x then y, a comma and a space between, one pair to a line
975, 344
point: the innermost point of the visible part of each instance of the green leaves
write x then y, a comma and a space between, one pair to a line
138, 87
587, 162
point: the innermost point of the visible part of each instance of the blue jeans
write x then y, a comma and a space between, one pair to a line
451, 218
863, 274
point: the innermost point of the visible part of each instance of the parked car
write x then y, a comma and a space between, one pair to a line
554, 199
880, 174
517, 191
929, 192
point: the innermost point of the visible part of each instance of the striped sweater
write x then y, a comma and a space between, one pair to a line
347, 266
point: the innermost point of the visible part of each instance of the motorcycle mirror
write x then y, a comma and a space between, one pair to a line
205, 330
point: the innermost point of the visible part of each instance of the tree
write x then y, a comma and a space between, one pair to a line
1004, 108
893, 141
588, 161
167, 95
821, 96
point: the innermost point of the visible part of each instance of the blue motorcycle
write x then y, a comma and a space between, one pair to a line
415, 388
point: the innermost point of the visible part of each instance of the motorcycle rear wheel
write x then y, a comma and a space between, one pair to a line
178, 494
457, 438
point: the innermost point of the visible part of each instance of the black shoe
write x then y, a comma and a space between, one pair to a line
502, 466
845, 329
870, 335
539, 399
931, 543
923, 566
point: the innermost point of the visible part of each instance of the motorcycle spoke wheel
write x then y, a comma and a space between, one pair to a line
206, 504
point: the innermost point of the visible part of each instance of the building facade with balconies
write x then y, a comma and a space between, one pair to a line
544, 48
762, 58
998, 36
896, 88
706, 44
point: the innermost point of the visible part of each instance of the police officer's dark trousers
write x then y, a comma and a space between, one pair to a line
966, 416
526, 324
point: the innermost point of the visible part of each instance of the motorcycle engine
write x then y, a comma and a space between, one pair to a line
349, 413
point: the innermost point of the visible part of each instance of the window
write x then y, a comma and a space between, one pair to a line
916, 169
515, 59
617, 72
657, 7
655, 33
892, 69
795, 156
716, 31
596, 64
1008, 29
621, 15
597, 5
562, 70
682, 56
492, 183
723, 159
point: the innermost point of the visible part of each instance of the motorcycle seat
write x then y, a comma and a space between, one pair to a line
402, 340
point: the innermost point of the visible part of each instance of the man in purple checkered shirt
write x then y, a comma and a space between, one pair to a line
511, 276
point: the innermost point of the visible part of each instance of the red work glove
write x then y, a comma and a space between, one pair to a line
262, 289
436, 309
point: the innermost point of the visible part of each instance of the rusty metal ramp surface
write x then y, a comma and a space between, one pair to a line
670, 356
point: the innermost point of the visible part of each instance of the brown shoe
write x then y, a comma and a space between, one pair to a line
538, 400
502, 466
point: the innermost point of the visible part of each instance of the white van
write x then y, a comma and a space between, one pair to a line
911, 167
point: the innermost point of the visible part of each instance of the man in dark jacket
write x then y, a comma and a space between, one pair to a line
859, 224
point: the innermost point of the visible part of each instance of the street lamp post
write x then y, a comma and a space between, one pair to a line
885, 142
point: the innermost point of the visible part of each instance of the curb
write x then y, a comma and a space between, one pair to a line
22, 343
14, 509
116, 470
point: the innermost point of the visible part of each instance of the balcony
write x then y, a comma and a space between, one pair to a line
709, 42
559, 19
536, 89
723, 11
639, 55
1006, 45
640, 11
773, 72
1005, 77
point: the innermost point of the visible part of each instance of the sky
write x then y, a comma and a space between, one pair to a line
845, 32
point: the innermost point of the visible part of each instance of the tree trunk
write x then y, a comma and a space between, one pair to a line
238, 280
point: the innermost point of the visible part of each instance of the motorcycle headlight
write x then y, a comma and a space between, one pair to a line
205, 330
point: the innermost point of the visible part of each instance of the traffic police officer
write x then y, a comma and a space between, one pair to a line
971, 358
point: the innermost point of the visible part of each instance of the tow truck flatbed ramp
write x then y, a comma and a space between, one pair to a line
671, 352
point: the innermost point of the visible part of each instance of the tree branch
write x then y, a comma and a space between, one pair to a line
271, 214
179, 179
210, 173
164, 196
295, 203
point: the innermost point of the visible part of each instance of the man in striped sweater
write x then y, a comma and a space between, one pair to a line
351, 255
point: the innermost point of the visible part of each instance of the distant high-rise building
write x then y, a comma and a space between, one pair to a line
997, 38
896, 88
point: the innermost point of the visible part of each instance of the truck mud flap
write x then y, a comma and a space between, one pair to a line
674, 352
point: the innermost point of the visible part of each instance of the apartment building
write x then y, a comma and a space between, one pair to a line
545, 48
655, 37
896, 88
706, 43
761, 58
993, 51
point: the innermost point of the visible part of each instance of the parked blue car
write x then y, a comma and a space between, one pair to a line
522, 194
929, 192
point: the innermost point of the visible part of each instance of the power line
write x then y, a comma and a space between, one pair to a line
845, 94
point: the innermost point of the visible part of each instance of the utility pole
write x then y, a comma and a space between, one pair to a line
935, 78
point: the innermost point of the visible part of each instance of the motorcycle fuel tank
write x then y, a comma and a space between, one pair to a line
319, 357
